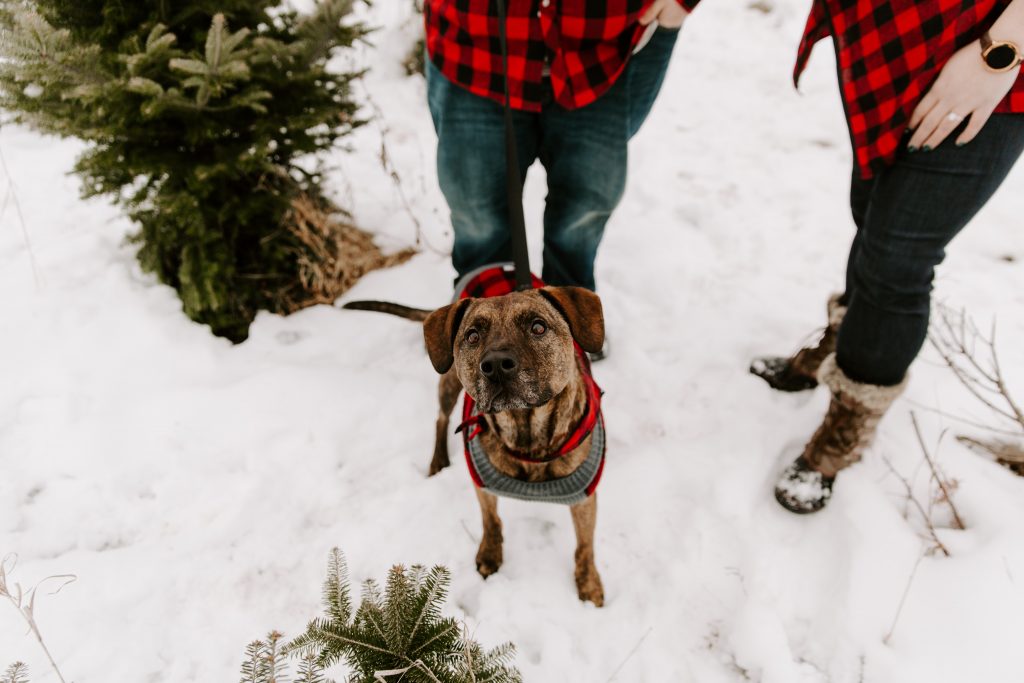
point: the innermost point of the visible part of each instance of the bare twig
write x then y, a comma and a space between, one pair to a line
1000, 382
966, 421
903, 600
25, 603
940, 481
958, 342
917, 504
12, 198
956, 338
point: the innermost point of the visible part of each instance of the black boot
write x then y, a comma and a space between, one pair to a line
782, 374
799, 372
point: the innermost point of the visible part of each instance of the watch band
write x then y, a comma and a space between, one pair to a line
992, 51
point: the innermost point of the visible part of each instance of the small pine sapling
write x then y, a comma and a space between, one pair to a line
310, 670
15, 673
205, 122
264, 661
399, 633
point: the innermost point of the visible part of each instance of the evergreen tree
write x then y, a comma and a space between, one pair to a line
201, 118
399, 634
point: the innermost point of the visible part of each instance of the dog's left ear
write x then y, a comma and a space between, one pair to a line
582, 309
439, 333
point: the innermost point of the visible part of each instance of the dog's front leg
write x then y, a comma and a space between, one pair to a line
447, 396
588, 581
489, 557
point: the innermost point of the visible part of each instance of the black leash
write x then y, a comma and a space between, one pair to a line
513, 181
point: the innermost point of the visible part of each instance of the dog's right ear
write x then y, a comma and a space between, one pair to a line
439, 331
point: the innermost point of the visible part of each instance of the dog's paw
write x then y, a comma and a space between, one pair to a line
589, 588
488, 559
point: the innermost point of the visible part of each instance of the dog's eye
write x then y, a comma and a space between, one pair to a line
538, 327
472, 337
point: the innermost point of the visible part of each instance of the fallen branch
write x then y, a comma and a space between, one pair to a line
1010, 455
940, 481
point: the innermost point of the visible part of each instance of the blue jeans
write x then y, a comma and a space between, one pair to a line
905, 217
583, 150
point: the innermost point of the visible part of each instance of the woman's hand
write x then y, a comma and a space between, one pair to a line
965, 88
669, 13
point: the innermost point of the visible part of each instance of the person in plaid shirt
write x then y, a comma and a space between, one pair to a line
580, 86
934, 98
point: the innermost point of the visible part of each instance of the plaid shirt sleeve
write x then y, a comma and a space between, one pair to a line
582, 45
889, 53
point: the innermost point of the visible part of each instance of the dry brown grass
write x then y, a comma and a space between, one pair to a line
332, 256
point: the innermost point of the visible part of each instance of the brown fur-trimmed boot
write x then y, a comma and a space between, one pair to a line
849, 427
799, 372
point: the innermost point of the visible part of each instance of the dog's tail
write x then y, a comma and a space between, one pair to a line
417, 314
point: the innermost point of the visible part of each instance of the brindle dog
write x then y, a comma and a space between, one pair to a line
514, 355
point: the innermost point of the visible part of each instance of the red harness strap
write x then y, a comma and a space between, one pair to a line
582, 430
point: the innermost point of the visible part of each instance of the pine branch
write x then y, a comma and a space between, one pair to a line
400, 633
252, 667
37, 54
336, 597
310, 671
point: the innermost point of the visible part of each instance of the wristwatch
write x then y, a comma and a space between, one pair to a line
1000, 56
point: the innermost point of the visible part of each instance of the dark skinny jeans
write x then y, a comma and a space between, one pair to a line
583, 150
905, 217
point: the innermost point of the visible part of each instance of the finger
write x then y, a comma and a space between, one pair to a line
974, 125
947, 125
923, 108
652, 12
928, 126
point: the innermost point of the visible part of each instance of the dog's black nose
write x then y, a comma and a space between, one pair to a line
498, 365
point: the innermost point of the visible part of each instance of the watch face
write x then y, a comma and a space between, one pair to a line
1001, 57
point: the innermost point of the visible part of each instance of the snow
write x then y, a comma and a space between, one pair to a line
195, 488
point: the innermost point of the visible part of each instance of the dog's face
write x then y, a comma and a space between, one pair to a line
515, 351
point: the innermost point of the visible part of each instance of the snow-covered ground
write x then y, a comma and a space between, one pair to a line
195, 487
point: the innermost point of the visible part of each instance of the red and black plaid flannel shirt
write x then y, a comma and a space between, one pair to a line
586, 44
889, 53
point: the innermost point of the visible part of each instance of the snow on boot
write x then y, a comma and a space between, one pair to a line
798, 372
847, 430
803, 490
